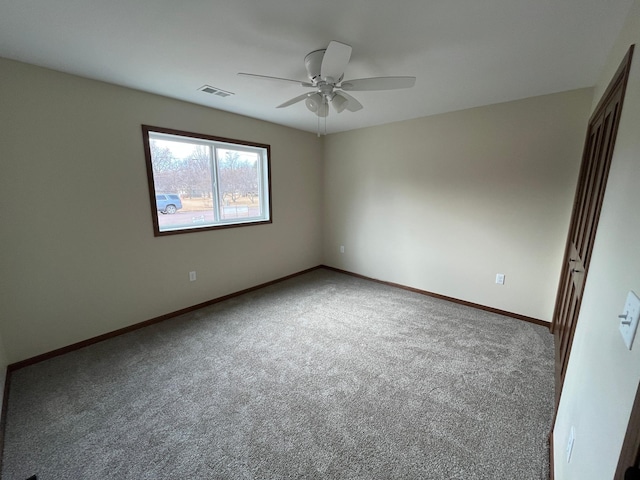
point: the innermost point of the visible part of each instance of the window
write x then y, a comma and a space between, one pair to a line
198, 182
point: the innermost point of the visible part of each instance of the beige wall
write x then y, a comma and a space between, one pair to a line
602, 375
444, 203
78, 255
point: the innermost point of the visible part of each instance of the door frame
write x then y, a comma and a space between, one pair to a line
617, 86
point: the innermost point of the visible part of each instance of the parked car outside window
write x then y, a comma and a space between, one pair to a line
168, 203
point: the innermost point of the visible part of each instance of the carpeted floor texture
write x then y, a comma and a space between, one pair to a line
321, 376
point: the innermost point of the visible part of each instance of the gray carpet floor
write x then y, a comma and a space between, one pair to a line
321, 376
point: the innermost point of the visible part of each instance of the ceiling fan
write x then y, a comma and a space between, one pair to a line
325, 68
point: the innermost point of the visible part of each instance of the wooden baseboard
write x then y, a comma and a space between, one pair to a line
444, 297
146, 323
136, 326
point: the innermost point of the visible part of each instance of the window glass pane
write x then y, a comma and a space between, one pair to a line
182, 170
239, 178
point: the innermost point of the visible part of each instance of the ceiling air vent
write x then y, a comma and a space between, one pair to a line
215, 91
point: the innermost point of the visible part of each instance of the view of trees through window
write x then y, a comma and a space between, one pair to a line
201, 183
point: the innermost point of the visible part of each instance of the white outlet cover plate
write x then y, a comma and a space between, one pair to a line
632, 310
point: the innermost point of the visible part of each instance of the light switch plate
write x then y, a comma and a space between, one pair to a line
629, 319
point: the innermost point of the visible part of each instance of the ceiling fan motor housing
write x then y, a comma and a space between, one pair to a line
313, 64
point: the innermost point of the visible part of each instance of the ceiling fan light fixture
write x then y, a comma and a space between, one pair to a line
339, 103
323, 110
314, 102
317, 104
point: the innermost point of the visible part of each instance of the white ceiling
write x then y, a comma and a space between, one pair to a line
464, 53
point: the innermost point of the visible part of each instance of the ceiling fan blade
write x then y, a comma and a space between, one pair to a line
335, 61
278, 79
353, 105
297, 99
378, 83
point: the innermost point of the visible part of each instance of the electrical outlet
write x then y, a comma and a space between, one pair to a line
500, 278
341, 248
192, 276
